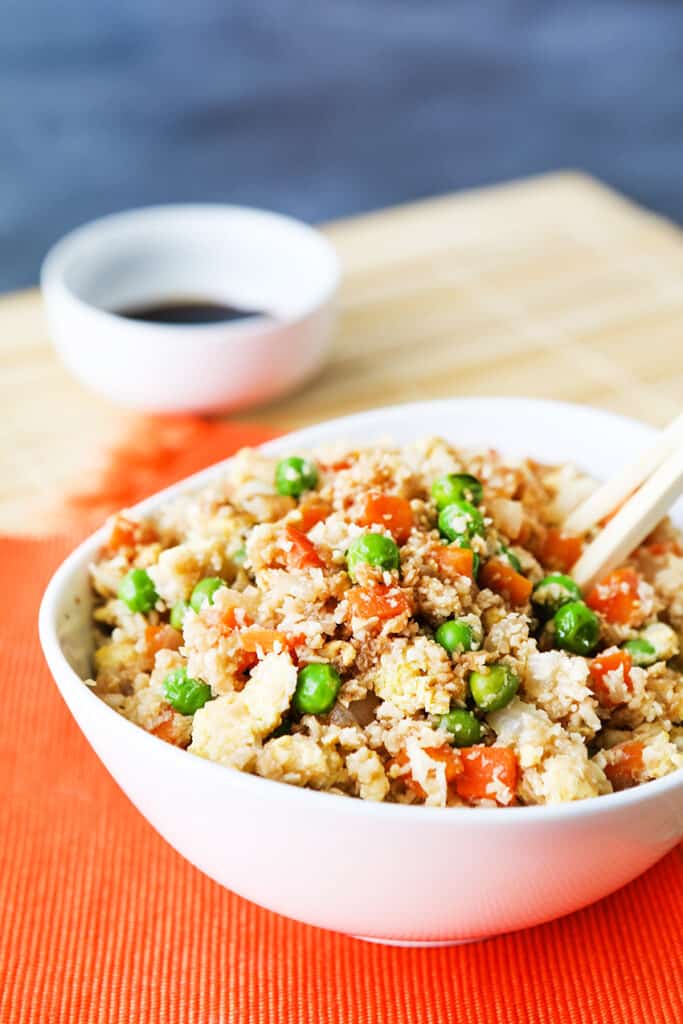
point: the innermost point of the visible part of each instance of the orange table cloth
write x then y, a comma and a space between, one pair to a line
100, 920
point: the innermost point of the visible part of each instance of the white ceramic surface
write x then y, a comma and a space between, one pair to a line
408, 875
233, 255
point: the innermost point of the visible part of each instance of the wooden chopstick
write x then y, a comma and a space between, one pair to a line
617, 489
633, 522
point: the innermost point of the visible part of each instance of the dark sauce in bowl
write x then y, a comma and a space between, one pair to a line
188, 311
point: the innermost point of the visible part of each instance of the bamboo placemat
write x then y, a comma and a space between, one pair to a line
553, 287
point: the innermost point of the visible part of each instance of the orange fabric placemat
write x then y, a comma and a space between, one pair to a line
100, 920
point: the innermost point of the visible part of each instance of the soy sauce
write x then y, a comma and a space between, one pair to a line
188, 311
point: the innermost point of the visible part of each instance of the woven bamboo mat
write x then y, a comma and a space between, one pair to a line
553, 287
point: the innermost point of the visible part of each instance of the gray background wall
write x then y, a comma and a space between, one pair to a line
324, 109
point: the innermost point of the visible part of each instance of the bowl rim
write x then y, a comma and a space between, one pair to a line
53, 278
269, 788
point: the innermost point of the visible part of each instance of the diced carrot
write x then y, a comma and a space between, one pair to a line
379, 602
255, 642
489, 773
337, 465
559, 550
128, 533
499, 576
623, 773
446, 755
389, 511
245, 660
453, 561
313, 511
617, 596
657, 550
300, 552
601, 667
451, 757
267, 640
401, 760
164, 637
168, 729
235, 617
122, 535
225, 619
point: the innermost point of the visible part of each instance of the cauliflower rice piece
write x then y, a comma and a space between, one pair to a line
558, 684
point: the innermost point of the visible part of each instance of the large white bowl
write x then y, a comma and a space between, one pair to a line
405, 875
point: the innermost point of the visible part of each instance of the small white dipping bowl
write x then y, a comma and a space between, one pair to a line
230, 255
398, 874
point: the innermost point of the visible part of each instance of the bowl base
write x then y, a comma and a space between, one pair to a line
416, 943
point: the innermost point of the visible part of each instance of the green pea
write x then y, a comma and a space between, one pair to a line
494, 688
204, 592
642, 653
505, 555
239, 556
138, 591
372, 549
463, 726
460, 517
316, 688
456, 486
577, 628
178, 612
455, 636
295, 475
553, 591
185, 694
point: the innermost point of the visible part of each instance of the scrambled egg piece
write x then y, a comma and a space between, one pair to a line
116, 663
300, 761
663, 639
365, 768
416, 676
178, 569
231, 728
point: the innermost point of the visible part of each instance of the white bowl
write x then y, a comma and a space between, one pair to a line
232, 255
404, 875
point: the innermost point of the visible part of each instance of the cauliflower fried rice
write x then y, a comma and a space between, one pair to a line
394, 624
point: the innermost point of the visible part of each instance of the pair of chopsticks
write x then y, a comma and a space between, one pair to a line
643, 493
